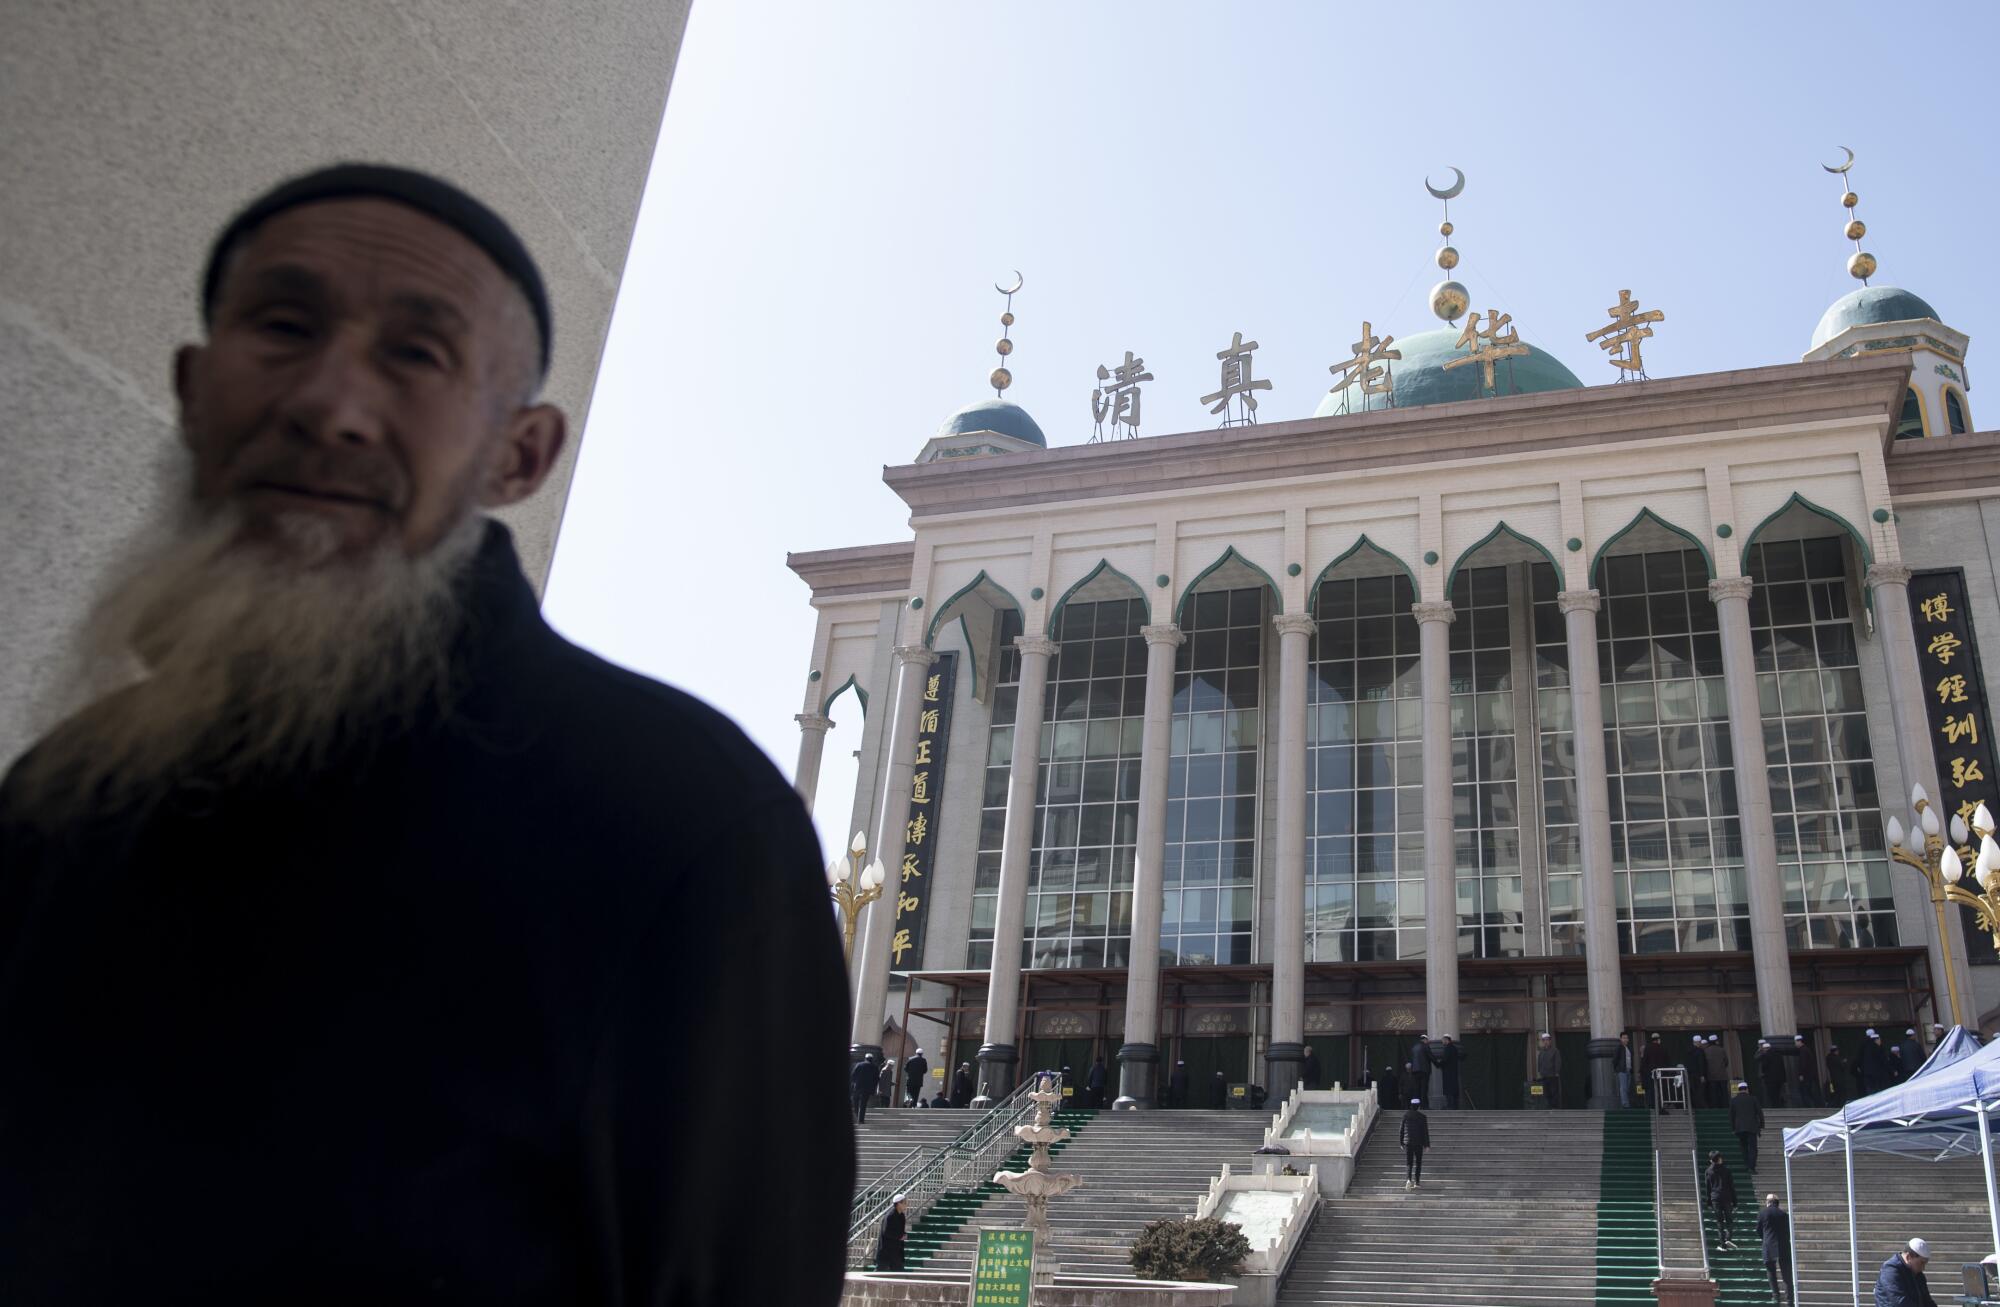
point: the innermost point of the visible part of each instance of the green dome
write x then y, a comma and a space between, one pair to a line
1868, 305
996, 415
1421, 378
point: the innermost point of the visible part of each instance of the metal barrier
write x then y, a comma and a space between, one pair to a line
1659, 1220
1700, 1210
964, 1163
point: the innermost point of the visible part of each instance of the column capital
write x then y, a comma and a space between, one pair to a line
1435, 610
1036, 644
1888, 574
1163, 633
1729, 587
1293, 624
1578, 601
920, 655
812, 721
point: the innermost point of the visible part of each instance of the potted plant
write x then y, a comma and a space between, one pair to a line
1201, 1249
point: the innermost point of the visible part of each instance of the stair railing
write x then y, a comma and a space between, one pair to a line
964, 1163
1659, 1219
1700, 1213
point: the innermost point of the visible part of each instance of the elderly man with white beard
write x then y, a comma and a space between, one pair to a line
358, 934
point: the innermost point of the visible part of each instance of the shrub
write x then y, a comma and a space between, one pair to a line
1199, 1249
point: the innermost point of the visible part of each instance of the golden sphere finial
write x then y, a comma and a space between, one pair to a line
1447, 257
1003, 347
1449, 300
1849, 199
1862, 266
1445, 228
1001, 378
1007, 319
1856, 229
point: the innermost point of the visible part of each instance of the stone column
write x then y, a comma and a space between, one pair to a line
1286, 1054
998, 1055
1908, 707
1770, 958
1593, 818
1139, 1056
1434, 619
892, 811
812, 740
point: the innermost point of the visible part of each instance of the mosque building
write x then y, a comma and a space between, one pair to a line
1205, 748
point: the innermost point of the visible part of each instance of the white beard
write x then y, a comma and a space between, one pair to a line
246, 658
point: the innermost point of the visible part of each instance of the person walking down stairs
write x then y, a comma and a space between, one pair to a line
1720, 1187
1774, 1233
895, 1227
1416, 1137
1746, 1119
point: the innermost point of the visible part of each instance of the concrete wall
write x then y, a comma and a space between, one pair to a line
135, 128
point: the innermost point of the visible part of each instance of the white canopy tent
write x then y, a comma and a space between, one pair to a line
1939, 1113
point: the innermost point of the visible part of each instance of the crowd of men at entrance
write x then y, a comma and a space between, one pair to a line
1780, 1080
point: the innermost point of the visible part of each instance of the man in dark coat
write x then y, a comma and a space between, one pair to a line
1774, 1235
1548, 1071
1416, 1140
895, 1227
1654, 1058
1418, 1068
1806, 1074
1177, 1085
1720, 1186
1912, 1055
962, 1086
1838, 1077
1310, 1072
915, 1068
1621, 1068
1746, 1121
1218, 1094
862, 1079
355, 946
1717, 1063
1872, 1072
1901, 1281
1771, 1071
1448, 1055
1696, 1067
1095, 1084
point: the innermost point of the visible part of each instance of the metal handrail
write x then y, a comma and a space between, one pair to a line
1700, 1217
977, 1151
1659, 1218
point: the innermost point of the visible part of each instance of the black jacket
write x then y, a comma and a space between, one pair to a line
1774, 1232
862, 1078
1416, 1131
417, 1026
1447, 1057
1871, 1066
1720, 1185
1899, 1286
961, 1088
1746, 1114
915, 1068
889, 1246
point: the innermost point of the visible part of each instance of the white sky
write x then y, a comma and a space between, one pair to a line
837, 187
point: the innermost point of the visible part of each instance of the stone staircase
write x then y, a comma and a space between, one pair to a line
1507, 1217
1137, 1167
890, 1132
1895, 1198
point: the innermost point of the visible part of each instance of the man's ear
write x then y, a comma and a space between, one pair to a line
186, 359
529, 449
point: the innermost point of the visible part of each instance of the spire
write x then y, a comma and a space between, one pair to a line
1001, 377
1449, 299
1860, 264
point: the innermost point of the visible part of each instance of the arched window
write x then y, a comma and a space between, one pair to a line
1954, 414
1910, 426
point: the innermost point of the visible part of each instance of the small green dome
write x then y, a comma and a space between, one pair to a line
996, 415
1421, 378
1868, 305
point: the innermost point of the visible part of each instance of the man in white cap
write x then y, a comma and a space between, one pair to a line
1548, 1070
1901, 1283
1774, 1239
896, 1225
1746, 1120
1718, 1071
1416, 1137
1871, 1065
1911, 1055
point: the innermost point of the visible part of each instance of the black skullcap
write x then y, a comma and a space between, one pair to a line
432, 196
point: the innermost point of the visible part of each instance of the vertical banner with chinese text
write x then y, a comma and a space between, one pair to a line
912, 877
1955, 706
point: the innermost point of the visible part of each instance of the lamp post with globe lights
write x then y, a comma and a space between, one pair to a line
1942, 866
854, 886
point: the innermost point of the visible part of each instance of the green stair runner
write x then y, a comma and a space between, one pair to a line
1739, 1275
1628, 1244
953, 1209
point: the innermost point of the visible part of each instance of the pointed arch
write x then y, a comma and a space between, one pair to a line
1800, 501
1957, 416
1363, 543
1644, 517
1499, 530
1103, 568
943, 613
853, 683
1229, 555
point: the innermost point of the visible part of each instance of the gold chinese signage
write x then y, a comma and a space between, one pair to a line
911, 879
1955, 707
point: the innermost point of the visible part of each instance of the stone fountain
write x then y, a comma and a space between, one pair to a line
1038, 1184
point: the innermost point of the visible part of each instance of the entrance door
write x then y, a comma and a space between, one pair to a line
1574, 1045
1490, 1070
1054, 1055
1380, 1052
1331, 1050
1207, 1054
